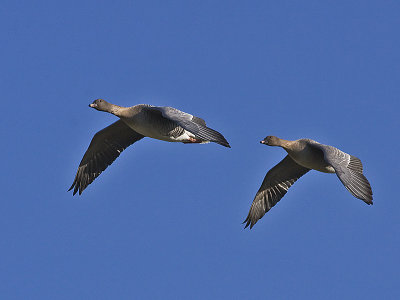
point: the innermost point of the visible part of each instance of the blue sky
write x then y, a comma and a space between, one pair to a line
164, 221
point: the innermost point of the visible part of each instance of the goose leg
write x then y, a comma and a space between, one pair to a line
192, 141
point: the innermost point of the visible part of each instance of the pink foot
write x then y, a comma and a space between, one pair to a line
192, 140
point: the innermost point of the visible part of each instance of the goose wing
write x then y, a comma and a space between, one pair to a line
105, 147
349, 169
275, 185
191, 123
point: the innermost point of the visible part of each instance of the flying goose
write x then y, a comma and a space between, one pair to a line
305, 155
136, 122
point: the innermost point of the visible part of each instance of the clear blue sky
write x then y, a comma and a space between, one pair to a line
164, 221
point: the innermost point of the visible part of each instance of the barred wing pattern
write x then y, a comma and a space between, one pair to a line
195, 125
105, 147
349, 169
275, 185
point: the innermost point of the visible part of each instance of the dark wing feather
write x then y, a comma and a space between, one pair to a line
349, 169
275, 185
199, 121
105, 147
195, 125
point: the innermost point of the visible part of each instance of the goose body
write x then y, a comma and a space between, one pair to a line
147, 121
136, 122
305, 155
308, 156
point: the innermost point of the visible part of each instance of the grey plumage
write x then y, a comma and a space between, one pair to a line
275, 185
191, 123
105, 147
304, 155
349, 169
136, 122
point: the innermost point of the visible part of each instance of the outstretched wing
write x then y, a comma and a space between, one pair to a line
195, 125
105, 147
349, 169
275, 185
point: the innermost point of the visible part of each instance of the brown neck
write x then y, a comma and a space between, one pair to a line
118, 111
285, 144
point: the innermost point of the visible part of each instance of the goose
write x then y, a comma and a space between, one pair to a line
136, 122
305, 155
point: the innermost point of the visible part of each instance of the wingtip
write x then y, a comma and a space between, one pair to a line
224, 143
245, 222
74, 191
73, 186
248, 222
368, 200
249, 225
